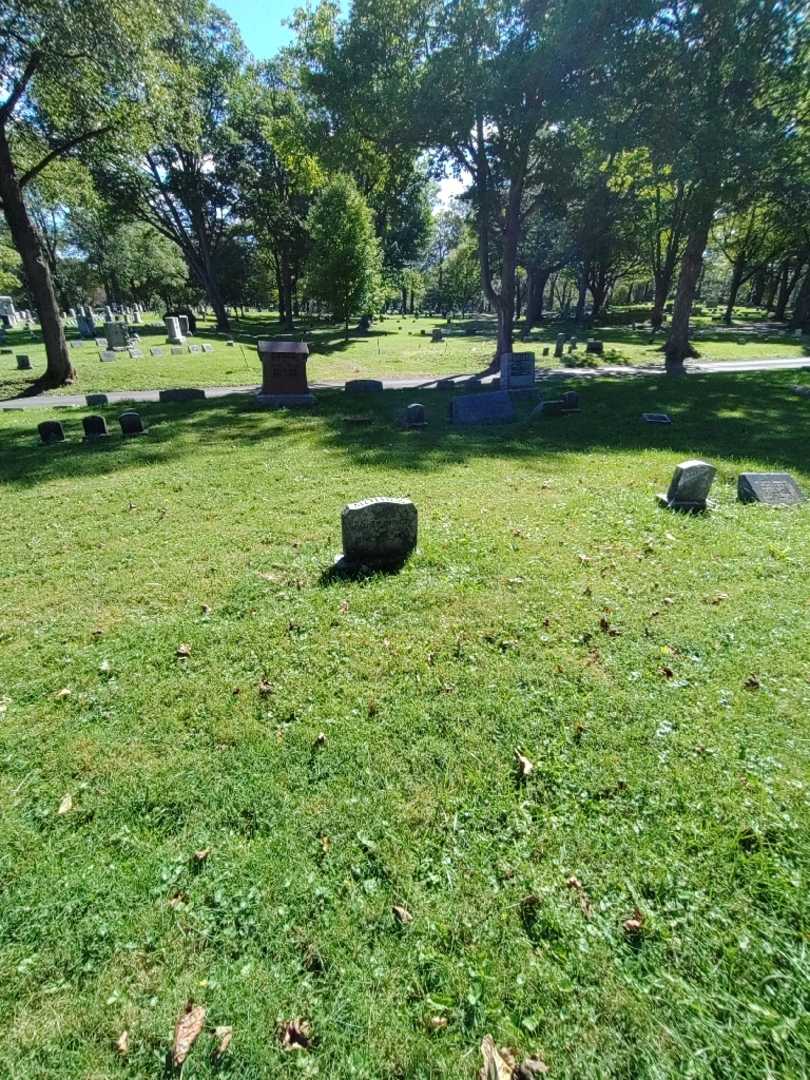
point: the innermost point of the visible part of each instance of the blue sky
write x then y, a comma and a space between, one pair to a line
260, 22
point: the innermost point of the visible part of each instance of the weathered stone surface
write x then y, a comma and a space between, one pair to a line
51, 431
594, 346
131, 423
656, 418
517, 370
773, 489
178, 350
195, 348
135, 353
559, 345
107, 356
157, 350
690, 486
96, 399
364, 386
570, 400
182, 393
414, 416
284, 374
95, 427
494, 407
378, 532
173, 332
207, 348
437, 336
23, 362
116, 334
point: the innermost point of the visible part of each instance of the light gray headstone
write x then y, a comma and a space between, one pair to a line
690, 486
517, 370
173, 331
157, 350
107, 356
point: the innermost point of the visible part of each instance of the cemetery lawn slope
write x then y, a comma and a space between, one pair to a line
175, 828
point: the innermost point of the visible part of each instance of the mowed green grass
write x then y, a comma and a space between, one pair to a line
654, 668
395, 348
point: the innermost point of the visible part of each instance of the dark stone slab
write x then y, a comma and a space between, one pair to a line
23, 362
656, 418
772, 488
364, 386
489, 408
131, 423
378, 533
51, 431
183, 393
570, 400
690, 486
97, 399
95, 427
594, 346
414, 416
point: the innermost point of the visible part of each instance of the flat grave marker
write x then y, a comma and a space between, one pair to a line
493, 407
106, 356
772, 489
656, 418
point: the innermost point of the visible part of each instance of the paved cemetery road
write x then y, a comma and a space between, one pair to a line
706, 367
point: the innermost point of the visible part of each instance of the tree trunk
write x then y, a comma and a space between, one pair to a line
29, 245
800, 320
734, 288
535, 287
583, 294
677, 347
758, 289
787, 283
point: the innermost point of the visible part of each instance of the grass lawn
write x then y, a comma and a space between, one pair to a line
395, 348
654, 668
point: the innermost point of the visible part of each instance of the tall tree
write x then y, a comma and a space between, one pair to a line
72, 76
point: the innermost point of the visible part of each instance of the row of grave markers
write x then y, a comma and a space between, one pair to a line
95, 428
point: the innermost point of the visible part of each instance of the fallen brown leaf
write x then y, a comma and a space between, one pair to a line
718, 598
531, 1067
205, 609
63, 693
498, 1064
188, 1027
265, 688
122, 1043
66, 805
321, 739
633, 926
752, 683
202, 854
344, 607
223, 1035
584, 900
183, 650
667, 672
402, 914
436, 1023
296, 1034
326, 845
524, 766
607, 628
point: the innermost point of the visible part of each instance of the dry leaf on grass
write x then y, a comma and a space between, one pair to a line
66, 805
320, 739
223, 1035
296, 1034
183, 650
402, 914
326, 845
633, 926
202, 854
122, 1043
524, 766
607, 628
752, 683
188, 1027
436, 1023
205, 609
265, 688
344, 607
584, 900
63, 693
500, 1064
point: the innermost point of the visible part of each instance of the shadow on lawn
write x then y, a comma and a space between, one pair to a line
741, 418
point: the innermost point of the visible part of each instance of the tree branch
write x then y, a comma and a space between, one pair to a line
63, 148
10, 103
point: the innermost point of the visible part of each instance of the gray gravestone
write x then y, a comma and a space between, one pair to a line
95, 427
178, 350
107, 356
559, 345
51, 431
101, 342
773, 489
690, 486
195, 348
157, 350
553, 407
117, 335
131, 423
183, 393
173, 331
136, 354
656, 418
208, 348
437, 336
96, 399
183, 320
378, 533
414, 416
494, 407
594, 346
546, 350
363, 386
23, 362
517, 370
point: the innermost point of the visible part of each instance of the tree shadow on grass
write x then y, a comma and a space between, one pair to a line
749, 419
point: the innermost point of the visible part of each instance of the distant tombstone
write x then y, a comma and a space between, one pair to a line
207, 348
173, 330
559, 345
594, 346
195, 348
178, 350
363, 386
107, 356
231, 344
690, 486
284, 374
183, 321
131, 423
437, 335
183, 393
517, 370
773, 489
95, 427
50, 432
364, 324
94, 400
656, 418
101, 342
494, 407
414, 416
23, 362
136, 354
570, 400
378, 533
117, 335
108, 314
546, 350
551, 407
802, 391
136, 316
157, 350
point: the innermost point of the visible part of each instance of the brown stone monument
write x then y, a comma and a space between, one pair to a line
284, 374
